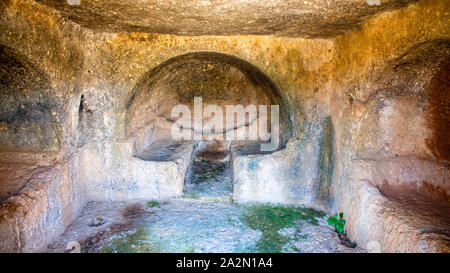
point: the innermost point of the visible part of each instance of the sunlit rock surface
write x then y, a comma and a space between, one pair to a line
112, 173
314, 18
363, 92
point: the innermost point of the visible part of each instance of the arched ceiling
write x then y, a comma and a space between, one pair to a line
219, 79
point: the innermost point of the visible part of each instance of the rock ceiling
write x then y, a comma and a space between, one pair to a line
292, 18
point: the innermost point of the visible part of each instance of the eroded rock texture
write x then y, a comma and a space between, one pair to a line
87, 91
395, 167
314, 18
30, 114
219, 80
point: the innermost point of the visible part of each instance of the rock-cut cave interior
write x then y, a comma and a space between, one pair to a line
340, 110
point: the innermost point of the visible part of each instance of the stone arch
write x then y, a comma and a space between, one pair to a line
218, 78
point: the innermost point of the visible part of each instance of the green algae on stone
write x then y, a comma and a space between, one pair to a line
135, 242
152, 204
192, 196
270, 219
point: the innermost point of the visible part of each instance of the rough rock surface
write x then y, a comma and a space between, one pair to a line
45, 206
392, 166
313, 18
365, 106
112, 173
276, 177
219, 80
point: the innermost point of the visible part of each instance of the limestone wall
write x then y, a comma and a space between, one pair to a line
382, 111
339, 94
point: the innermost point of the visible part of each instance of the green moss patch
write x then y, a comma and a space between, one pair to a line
135, 242
270, 219
152, 204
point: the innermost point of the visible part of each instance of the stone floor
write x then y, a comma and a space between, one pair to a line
205, 219
189, 225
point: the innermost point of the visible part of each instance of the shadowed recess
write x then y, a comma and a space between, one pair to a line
217, 78
29, 113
